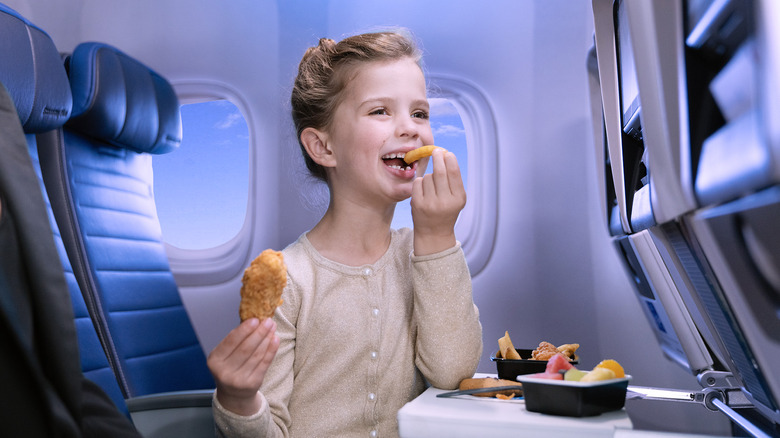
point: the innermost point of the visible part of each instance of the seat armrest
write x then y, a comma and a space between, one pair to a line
168, 400
173, 414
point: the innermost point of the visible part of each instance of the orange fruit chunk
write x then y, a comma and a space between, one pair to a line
613, 365
597, 374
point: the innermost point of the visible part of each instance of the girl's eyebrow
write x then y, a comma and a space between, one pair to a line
422, 102
385, 100
371, 100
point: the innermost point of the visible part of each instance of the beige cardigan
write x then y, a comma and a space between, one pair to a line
357, 343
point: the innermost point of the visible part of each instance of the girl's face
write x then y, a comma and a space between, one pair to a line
383, 114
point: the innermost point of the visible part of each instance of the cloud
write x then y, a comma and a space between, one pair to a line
442, 107
229, 121
448, 131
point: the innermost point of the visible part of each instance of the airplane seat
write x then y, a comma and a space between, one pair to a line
123, 113
38, 86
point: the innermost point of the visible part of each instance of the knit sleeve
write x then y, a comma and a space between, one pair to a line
449, 334
231, 425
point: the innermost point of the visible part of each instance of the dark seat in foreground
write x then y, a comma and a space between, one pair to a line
36, 81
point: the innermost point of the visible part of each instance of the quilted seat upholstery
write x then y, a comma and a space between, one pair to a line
123, 113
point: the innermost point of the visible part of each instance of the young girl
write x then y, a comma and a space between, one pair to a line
370, 314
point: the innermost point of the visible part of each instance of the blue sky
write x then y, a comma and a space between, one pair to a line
201, 189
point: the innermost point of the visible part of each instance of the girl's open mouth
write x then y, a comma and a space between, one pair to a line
396, 161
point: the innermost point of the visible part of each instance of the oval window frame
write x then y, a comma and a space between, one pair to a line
221, 263
476, 227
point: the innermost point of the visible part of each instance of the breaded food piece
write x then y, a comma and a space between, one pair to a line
262, 286
568, 350
491, 382
421, 152
544, 351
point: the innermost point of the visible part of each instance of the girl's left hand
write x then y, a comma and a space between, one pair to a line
437, 199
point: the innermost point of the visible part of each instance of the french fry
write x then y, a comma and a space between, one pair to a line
506, 348
421, 152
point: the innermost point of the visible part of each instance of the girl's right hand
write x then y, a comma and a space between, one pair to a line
239, 364
437, 199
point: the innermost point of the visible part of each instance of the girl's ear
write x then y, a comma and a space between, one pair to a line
316, 144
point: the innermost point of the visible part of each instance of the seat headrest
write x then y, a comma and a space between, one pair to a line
32, 72
118, 100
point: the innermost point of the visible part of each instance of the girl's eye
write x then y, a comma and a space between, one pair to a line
420, 115
378, 111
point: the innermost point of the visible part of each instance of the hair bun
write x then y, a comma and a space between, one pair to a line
319, 53
327, 45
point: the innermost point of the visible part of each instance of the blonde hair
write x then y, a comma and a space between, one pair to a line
325, 70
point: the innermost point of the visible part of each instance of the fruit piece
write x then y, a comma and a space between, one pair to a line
546, 375
597, 374
574, 375
557, 363
612, 365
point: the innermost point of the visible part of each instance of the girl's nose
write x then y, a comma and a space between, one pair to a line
406, 127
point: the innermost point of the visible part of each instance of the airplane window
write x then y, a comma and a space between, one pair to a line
448, 132
462, 120
192, 205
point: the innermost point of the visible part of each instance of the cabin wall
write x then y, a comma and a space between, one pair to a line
553, 273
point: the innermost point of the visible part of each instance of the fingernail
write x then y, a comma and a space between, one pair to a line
268, 323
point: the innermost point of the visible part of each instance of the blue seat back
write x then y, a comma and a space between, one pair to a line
123, 112
31, 70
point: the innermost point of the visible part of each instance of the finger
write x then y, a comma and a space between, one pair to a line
422, 166
268, 355
440, 178
241, 356
255, 338
454, 176
258, 353
417, 190
253, 351
268, 352
236, 336
429, 185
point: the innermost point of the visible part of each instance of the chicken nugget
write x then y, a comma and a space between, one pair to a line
544, 351
262, 286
